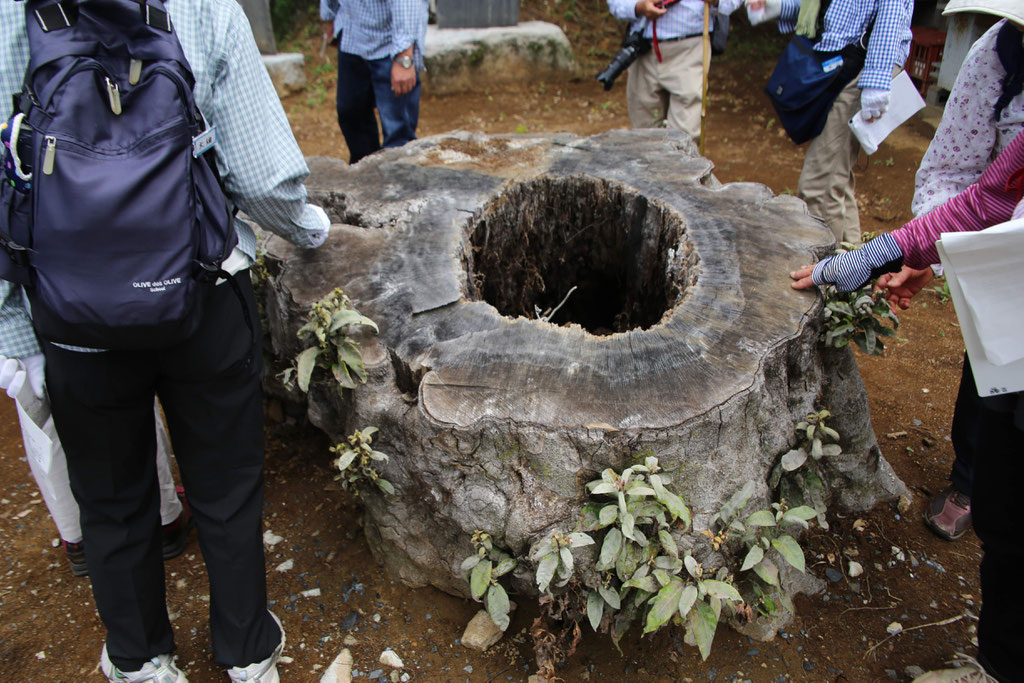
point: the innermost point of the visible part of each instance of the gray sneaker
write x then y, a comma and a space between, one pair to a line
949, 514
260, 672
160, 669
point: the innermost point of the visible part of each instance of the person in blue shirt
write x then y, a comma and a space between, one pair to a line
826, 181
664, 86
210, 385
380, 55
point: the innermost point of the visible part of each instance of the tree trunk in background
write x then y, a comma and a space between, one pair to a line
683, 337
258, 13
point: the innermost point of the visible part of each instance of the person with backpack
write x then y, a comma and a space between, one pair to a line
882, 28
998, 420
665, 84
125, 244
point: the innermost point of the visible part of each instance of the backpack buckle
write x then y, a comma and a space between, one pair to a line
156, 17
18, 253
56, 16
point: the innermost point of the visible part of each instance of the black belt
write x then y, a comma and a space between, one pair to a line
692, 35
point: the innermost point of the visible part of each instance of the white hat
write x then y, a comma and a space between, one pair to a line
1009, 9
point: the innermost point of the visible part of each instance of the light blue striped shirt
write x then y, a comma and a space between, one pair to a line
847, 20
378, 29
682, 20
261, 164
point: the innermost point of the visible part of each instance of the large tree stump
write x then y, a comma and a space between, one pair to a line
683, 338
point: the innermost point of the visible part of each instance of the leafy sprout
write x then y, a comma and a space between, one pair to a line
819, 440
357, 461
857, 316
330, 322
642, 573
483, 569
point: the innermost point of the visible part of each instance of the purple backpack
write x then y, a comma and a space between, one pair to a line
121, 231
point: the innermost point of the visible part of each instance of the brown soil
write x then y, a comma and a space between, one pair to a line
50, 631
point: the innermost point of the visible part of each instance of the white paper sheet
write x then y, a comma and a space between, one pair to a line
985, 271
904, 102
38, 444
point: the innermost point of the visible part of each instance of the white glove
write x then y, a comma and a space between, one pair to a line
873, 103
14, 372
318, 237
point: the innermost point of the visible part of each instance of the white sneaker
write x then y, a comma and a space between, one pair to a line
967, 670
260, 672
160, 669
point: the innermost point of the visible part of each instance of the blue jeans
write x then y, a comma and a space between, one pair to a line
363, 85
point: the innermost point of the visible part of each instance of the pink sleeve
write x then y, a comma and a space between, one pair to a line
988, 202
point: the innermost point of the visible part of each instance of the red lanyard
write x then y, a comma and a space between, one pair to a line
654, 27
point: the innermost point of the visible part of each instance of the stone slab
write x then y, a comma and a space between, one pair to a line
286, 72
460, 60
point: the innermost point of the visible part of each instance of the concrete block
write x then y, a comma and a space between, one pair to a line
286, 72
459, 60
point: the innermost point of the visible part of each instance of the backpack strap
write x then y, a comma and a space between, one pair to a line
64, 13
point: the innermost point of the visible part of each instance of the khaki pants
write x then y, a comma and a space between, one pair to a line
668, 91
826, 181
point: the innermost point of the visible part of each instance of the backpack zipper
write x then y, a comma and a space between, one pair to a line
82, 66
49, 154
134, 71
114, 95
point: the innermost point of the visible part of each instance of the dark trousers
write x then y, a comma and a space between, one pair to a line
210, 389
365, 85
998, 472
965, 433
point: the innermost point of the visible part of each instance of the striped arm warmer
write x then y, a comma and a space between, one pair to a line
852, 270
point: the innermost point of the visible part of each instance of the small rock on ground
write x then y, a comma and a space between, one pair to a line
340, 670
481, 632
389, 658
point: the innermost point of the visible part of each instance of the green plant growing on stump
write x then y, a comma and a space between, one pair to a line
482, 570
857, 316
357, 461
642, 573
553, 556
646, 569
330, 321
797, 476
755, 536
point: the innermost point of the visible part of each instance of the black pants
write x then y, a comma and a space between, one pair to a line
210, 389
998, 474
966, 432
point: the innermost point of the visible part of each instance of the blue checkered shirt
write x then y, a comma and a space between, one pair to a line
682, 20
260, 162
378, 29
847, 20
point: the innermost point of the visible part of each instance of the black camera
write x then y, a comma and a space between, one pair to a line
633, 45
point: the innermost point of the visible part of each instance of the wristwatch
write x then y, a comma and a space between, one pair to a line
404, 61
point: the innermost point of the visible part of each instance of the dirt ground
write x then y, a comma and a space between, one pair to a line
335, 595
